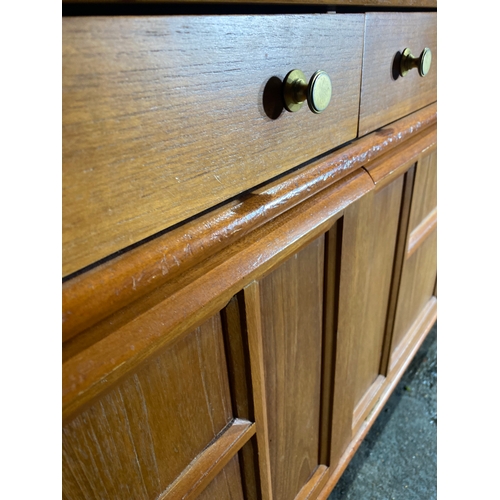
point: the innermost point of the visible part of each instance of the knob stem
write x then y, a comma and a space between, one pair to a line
409, 61
317, 92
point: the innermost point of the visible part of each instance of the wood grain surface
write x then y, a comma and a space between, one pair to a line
419, 331
164, 117
118, 448
96, 294
424, 199
421, 232
227, 485
368, 244
291, 300
384, 169
123, 342
210, 462
418, 275
384, 98
256, 350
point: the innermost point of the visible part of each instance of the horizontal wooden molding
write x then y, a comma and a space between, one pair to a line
203, 469
315, 484
366, 403
105, 289
387, 167
421, 232
196, 295
426, 318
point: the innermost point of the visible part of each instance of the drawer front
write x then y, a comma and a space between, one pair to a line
385, 95
164, 117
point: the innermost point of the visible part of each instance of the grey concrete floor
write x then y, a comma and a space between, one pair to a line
398, 458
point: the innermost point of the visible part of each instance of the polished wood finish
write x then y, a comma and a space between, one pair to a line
384, 96
425, 191
399, 256
370, 229
121, 343
153, 125
418, 276
255, 344
420, 331
333, 258
244, 353
291, 308
92, 296
205, 467
385, 168
421, 232
226, 485
315, 484
118, 447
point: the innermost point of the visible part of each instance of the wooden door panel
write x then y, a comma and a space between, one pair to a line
418, 280
418, 275
291, 302
370, 230
226, 485
137, 439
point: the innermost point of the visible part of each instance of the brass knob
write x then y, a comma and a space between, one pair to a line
409, 61
317, 92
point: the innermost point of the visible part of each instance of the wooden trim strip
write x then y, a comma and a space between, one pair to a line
315, 484
386, 168
203, 469
421, 232
99, 366
427, 317
254, 327
363, 408
103, 290
397, 269
420, 330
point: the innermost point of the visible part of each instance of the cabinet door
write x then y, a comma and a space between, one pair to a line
387, 281
167, 431
416, 301
286, 336
369, 238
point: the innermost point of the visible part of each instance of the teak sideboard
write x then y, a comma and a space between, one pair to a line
243, 286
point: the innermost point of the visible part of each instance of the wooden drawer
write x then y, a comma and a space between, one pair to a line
164, 117
386, 96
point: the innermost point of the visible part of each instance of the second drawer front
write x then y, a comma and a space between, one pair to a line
386, 96
164, 117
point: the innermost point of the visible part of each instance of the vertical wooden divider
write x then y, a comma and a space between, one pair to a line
254, 329
333, 249
399, 256
238, 365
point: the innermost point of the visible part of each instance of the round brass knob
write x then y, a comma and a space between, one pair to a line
317, 92
409, 61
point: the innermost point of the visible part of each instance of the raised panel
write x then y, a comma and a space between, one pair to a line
137, 439
291, 300
375, 268
418, 276
424, 199
418, 280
